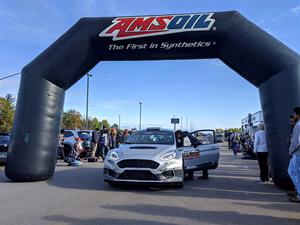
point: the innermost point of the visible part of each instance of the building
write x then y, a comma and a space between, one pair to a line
250, 123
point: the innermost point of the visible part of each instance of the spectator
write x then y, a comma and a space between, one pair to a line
292, 123
294, 151
124, 135
114, 139
95, 140
61, 144
235, 145
119, 139
101, 149
107, 142
261, 150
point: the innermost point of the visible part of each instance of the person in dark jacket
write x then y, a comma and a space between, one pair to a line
95, 140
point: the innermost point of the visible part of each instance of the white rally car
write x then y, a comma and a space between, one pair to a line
151, 157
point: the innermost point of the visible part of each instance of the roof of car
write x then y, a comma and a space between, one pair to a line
156, 129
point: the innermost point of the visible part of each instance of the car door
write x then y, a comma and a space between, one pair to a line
190, 155
209, 151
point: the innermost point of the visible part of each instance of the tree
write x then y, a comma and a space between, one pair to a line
104, 123
115, 126
94, 123
7, 110
234, 130
219, 130
72, 119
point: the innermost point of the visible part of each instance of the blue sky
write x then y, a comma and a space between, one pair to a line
206, 92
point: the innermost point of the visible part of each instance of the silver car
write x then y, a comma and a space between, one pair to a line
151, 157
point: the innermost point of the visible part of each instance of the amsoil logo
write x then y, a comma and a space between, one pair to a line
135, 27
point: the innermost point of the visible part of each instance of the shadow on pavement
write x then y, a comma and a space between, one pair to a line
219, 187
286, 206
99, 221
211, 217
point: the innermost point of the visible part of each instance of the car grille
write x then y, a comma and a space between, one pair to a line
138, 163
3, 149
137, 175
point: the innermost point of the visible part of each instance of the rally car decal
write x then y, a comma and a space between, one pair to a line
194, 154
135, 27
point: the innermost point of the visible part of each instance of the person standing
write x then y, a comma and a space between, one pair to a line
294, 151
114, 139
261, 150
95, 140
107, 142
61, 144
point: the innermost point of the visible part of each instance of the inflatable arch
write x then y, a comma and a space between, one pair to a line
247, 49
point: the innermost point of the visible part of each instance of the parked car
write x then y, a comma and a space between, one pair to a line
151, 157
72, 139
86, 137
4, 143
220, 138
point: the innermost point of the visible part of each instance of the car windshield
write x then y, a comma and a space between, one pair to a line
151, 137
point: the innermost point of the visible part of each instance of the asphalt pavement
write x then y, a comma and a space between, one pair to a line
78, 196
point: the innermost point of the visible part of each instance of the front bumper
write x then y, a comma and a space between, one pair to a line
165, 173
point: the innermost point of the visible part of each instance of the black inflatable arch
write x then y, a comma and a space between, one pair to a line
251, 52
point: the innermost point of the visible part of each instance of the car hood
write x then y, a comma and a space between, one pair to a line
142, 151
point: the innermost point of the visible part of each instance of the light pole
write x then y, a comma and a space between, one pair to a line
140, 126
87, 101
174, 123
119, 122
181, 123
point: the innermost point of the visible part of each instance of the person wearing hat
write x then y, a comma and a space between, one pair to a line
294, 151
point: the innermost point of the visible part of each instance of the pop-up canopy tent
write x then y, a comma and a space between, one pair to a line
247, 49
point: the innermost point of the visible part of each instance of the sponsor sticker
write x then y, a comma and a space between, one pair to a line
135, 27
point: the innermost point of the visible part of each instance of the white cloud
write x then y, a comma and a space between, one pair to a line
296, 10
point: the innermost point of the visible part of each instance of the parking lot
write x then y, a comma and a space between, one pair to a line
78, 195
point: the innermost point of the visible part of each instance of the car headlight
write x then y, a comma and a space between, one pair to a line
168, 156
114, 156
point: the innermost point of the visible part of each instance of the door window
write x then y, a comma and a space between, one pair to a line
205, 136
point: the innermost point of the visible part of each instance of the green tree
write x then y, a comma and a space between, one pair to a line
94, 123
219, 130
115, 126
72, 119
104, 123
234, 130
7, 110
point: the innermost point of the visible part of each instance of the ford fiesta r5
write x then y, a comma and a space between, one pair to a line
151, 157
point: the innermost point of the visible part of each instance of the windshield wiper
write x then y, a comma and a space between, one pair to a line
128, 142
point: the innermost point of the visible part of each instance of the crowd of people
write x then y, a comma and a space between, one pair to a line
105, 139
242, 142
255, 147
101, 142
261, 150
